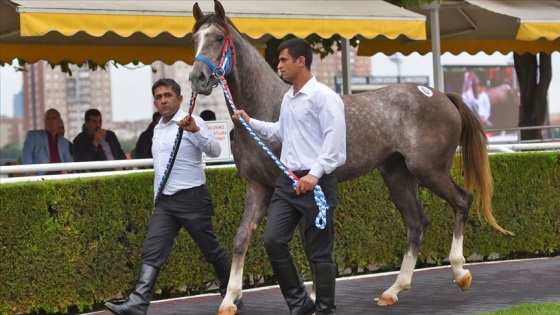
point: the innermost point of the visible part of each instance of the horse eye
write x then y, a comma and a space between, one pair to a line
220, 38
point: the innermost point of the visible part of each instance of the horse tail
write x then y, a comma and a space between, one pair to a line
474, 155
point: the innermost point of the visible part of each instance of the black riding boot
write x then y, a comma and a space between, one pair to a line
326, 282
292, 287
140, 298
222, 267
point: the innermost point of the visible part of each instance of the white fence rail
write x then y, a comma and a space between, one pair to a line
131, 164
77, 166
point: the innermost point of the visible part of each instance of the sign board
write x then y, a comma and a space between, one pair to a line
220, 129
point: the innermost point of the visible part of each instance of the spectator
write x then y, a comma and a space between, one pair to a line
95, 143
143, 149
207, 115
47, 145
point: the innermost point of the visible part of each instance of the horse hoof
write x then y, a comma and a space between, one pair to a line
227, 310
386, 300
465, 282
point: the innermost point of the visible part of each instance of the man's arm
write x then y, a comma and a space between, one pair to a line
333, 150
206, 140
266, 130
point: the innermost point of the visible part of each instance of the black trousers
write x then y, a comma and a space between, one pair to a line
287, 209
190, 208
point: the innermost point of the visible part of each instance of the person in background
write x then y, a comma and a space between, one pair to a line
143, 149
208, 115
95, 143
46, 145
483, 106
184, 200
312, 130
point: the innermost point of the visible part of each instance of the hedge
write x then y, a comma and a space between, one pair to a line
75, 243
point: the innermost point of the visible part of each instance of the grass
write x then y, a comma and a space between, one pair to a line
529, 309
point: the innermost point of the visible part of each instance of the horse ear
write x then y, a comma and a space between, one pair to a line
219, 10
197, 13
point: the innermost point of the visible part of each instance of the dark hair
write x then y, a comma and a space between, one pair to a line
90, 113
297, 47
167, 82
208, 115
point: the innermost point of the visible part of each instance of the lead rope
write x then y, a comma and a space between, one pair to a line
320, 200
173, 154
219, 72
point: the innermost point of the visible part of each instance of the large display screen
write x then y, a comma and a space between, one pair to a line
490, 91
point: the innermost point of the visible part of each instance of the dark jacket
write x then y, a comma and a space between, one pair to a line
144, 144
85, 151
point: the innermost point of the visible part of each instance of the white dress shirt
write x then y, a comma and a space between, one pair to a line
188, 170
312, 129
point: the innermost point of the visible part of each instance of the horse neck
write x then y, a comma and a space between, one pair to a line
254, 86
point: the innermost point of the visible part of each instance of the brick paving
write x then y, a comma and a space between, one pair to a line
496, 285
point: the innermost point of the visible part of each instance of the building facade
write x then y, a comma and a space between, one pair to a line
72, 95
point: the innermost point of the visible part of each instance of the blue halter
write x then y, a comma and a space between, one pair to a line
225, 64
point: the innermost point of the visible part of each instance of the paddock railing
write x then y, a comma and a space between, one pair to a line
506, 141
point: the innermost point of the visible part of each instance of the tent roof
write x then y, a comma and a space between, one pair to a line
145, 31
474, 26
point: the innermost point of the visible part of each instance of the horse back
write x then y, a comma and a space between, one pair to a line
407, 119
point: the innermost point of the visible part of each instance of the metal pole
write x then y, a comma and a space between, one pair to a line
346, 70
436, 49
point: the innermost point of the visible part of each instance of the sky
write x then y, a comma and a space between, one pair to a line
131, 86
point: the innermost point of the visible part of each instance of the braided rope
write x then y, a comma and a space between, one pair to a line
320, 200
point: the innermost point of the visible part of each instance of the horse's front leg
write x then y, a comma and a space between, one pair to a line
257, 200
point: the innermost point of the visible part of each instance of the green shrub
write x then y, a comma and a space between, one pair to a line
78, 242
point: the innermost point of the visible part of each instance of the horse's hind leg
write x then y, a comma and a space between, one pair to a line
440, 182
403, 188
257, 201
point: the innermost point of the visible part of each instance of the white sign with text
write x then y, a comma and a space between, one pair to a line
220, 129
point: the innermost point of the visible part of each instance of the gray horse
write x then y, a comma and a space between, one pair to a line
409, 132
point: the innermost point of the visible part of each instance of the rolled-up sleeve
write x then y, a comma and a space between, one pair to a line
206, 140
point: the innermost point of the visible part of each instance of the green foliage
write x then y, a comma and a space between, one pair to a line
10, 151
530, 309
128, 145
79, 242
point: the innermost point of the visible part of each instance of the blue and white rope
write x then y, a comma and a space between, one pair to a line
320, 200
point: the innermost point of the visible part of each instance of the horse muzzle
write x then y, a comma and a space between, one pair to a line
202, 83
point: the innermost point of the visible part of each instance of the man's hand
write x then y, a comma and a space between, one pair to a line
242, 113
99, 136
306, 183
188, 124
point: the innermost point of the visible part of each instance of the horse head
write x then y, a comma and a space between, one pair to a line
213, 45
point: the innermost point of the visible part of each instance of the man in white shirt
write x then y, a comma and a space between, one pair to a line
185, 201
312, 130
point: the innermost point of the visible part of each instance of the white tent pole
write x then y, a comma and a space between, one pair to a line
346, 70
436, 49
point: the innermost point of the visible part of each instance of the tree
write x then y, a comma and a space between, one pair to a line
534, 74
